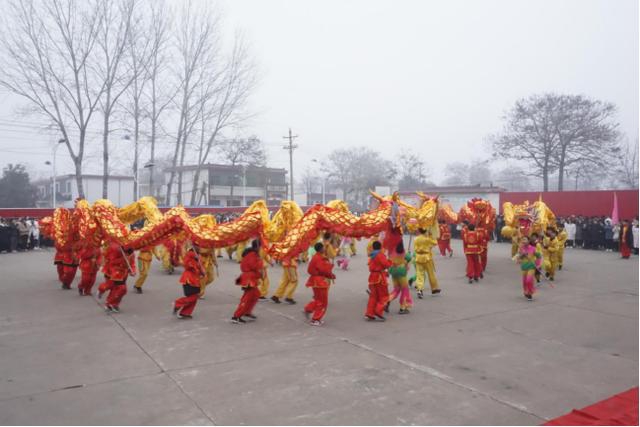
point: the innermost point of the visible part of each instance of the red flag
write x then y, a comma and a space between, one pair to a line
614, 215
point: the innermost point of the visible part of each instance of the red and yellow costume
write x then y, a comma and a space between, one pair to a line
320, 274
378, 285
251, 268
471, 242
90, 258
119, 269
190, 280
444, 241
144, 265
264, 281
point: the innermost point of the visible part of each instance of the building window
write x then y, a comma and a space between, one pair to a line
68, 187
216, 202
234, 202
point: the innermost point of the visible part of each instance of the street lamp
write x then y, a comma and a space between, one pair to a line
149, 165
55, 149
323, 184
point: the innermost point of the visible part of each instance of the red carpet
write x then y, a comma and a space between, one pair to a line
618, 410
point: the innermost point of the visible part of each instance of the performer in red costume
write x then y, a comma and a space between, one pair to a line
320, 273
251, 270
90, 258
444, 241
123, 265
193, 271
57, 261
378, 285
69, 267
471, 242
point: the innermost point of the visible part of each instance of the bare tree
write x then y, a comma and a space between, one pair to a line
586, 131
412, 171
48, 48
238, 151
195, 48
113, 38
160, 92
456, 173
513, 178
227, 90
626, 171
553, 131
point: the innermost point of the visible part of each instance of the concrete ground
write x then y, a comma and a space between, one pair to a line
477, 354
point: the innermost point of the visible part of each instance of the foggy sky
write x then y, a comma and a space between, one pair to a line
436, 76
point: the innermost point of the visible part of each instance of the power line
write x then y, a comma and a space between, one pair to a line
290, 147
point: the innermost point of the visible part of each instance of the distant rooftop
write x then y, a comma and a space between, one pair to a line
223, 167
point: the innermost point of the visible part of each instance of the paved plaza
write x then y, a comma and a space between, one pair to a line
476, 354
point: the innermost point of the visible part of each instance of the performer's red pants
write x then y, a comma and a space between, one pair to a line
115, 294
444, 245
60, 269
625, 250
248, 301
188, 302
105, 286
378, 298
69, 273
87, 280
474, 268
318, 305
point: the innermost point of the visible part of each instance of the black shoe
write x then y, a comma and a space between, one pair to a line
481, 276
420, 294
450, 254
381, 318
476, 279
80, 291
250, 316
546, 275
138, 290
66, 287
403, 311
386, 308
262, 298
238, 320
470, 280
275, 299
184, 316
435, 291
559, 267
290, 300
529, 297
411, 280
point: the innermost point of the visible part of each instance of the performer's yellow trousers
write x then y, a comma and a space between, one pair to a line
264, 284
208, 278
560, 256
143, 272
514, 249
288, 283
429, 269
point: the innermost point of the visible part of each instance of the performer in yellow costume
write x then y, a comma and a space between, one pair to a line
562, 240
550, 254
264, 283
209, 263
424, 263
144, 263
288, 283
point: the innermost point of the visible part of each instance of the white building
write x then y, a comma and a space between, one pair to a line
120, 190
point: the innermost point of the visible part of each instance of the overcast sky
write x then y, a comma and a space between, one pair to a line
433, 75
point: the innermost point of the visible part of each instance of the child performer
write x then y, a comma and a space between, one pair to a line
550, 254
122, 266
424, 263
320, 277
251, 269
562, 241
444, 241
527, 257
398, 273
471, 245
378, 287
190, 279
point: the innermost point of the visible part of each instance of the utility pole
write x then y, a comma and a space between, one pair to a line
290, 147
